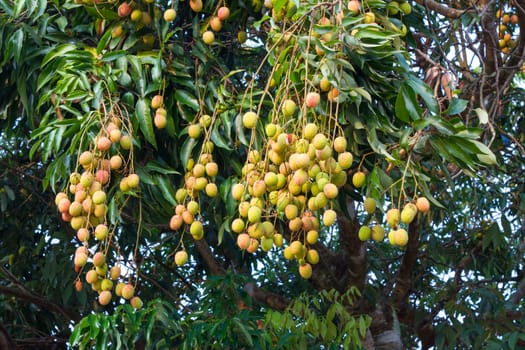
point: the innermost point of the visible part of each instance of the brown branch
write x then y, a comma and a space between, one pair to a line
207, 255
41, 301
272, 300
6, 342
492, 56
404, 278
442, 9
519, 294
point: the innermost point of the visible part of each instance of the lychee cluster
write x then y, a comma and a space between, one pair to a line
293, 179
161, 115
508, 21
215, 24
85, 205
199, 180
398, 235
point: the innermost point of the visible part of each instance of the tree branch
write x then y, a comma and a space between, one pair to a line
44, 303
442, 9
404, 278
207, 255
6, 342
272, 300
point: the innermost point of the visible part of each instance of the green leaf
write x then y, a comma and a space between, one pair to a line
17, 43
218, 139
186, 150
242, 332
426, 93
183, 97
406, 105
57, 52
456, 106
483, 116
103, 42
486, 156
160, 168
113, 55
143, 113
166, 189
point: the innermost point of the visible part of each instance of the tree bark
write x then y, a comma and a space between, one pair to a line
6, 343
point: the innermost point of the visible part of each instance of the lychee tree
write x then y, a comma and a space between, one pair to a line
215, 173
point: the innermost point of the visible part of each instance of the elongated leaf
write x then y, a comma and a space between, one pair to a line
166, 189
483, 116
456, 106
183, 97
57, 52
186, 150
425, 92
143, 114
218, 139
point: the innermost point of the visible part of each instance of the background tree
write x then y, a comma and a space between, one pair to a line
184, 142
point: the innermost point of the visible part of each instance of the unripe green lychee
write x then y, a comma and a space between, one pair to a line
278, 240
99, 197
266, 243
254, 214
296, 248
208, 37
106, 284
270, 129
364, 233
288, 108
310, 130
101, 232
249, 120
197, 230
319, 141
118, 288
237, 225
237, 191
358, 179
133, 180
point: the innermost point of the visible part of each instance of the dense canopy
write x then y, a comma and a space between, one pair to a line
272, 175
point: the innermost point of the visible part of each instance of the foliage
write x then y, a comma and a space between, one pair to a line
229, 324
394, 81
